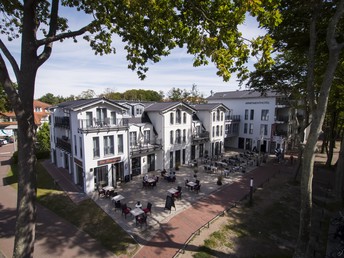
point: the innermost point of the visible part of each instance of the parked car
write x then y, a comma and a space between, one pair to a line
3, 142
9, 139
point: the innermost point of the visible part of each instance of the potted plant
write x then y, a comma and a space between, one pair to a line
219, 180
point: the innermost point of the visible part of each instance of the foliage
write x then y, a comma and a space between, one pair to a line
150, 29
5, 104
43, 138
53, 100
193, 96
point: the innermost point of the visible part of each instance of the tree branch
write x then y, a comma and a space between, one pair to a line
52, 32
331, 31
6, 82
65, 35
10, 59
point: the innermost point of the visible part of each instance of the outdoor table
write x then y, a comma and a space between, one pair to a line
192, 184
117, 198
226, 172
172, 190
136, 212
138, 205
150, 180
108, 188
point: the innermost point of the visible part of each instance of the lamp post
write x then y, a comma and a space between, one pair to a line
251, 190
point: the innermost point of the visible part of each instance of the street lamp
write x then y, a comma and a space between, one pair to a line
251, 190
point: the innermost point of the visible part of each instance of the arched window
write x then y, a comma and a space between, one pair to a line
178, 117
184, 118
171, 118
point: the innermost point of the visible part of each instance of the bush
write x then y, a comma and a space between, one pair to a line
15, 157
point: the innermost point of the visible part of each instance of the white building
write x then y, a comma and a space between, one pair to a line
255, 121
99, 140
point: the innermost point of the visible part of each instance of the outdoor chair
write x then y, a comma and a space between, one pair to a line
186, 184
125, 210
118, 205
177, 195
197, 188
148, 208
101, 192
142, 219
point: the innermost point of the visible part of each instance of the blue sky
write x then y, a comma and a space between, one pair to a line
73, 68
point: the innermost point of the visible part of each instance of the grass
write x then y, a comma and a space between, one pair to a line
86, 216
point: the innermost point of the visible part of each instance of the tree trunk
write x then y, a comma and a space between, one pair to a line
332, 137
338, 187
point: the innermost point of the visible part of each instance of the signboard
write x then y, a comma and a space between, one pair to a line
109, 161
169, 203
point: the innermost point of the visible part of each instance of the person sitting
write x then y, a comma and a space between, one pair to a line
163, 173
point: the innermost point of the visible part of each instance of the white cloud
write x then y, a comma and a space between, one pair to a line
73, 68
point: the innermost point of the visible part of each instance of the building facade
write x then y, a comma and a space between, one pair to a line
100, 141
255, 121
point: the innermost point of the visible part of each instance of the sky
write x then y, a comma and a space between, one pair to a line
73, 68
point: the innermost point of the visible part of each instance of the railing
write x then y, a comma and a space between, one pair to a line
282, 119
231, 133
234, 118
62, 121
63, 144
107, 123
145, 147
200, 136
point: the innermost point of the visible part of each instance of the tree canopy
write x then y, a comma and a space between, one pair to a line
150, 29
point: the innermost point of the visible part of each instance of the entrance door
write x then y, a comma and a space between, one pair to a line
151, 162
178, 157
136, 166
193, 152
80, 175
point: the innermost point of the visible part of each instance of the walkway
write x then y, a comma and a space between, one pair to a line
173, 234
55, 237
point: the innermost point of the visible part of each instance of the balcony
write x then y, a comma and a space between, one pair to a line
231, 133
232, 118
64, 144
281, 119
137, 149
62, 122
200, 137
102, 125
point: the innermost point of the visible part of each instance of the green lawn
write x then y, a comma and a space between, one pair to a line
87, 215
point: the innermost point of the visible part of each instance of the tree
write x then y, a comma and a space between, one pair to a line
150, 29
320, 48
86, 94
43, 138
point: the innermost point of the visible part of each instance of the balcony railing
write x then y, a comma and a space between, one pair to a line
62, 121
234, 118
202, 136
147, 146
231, 133
63, 144
282, 119
89, 125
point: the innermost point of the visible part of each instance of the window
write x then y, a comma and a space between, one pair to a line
133, 138
80, 144
113, 118
89, 119
251, 129
217, 130
221, 116
146, 136
171, 137
178, 117
264, 129
245, 128
184, 118
184, 135
75, 146
221, 130
252, 114
178, 136
138, 111
246, 114
96, 147
171, 118
101, 115
120, 143
213, 131
109, 145
265, 115
218, 115
214, 117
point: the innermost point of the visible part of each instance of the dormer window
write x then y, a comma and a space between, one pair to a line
171, 118
178, 117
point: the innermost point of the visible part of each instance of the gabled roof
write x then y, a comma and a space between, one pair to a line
209, 106
83, 103
244, 94
37, 103
167, 106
